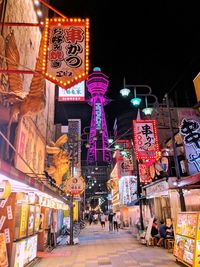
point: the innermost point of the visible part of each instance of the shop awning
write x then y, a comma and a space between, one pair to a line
7, 170
190, 180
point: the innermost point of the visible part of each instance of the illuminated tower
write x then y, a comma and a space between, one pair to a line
97, 85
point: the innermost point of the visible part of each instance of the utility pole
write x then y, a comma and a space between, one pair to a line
71, 242
180, 191
139, 195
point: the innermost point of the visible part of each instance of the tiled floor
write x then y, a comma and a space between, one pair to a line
101, 248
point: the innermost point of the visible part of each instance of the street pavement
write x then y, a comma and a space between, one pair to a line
100, 248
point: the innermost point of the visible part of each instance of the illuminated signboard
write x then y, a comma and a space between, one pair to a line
189, 129
74, 93
66, 51
74, 185
98, 115
145, 139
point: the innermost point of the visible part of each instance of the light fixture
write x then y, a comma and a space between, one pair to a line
175, 183
87, 145
36, 3
117, 147
125, 92
39, 13
136, 101
147, 111
110, 140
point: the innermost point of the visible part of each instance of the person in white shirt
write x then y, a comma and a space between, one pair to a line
103, 220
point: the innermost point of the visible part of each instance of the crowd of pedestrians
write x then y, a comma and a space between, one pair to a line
112, 218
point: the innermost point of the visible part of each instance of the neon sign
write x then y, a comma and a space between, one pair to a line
98, 115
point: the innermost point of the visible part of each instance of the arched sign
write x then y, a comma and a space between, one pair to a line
74, 186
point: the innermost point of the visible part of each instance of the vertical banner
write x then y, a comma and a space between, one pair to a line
189, 128
145, 139
66, 51
74, 135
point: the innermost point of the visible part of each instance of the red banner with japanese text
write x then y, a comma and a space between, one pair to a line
145, 139
66, 51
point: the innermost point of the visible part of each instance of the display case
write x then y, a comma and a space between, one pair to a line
187, 238
24, 251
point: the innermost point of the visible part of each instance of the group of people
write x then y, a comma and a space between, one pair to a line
161, 232
112, 218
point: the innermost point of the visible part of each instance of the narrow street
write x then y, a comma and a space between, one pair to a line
101, 248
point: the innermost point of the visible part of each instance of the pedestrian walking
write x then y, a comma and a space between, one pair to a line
102, 220
115, 222
90, 218
110, 219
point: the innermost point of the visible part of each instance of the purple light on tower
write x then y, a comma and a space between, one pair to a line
97, 85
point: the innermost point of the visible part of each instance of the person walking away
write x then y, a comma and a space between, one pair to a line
115, 223
103, 220
110, 219
90, 218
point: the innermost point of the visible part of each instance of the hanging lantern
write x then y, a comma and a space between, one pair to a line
147, 111
125, 92
136, 101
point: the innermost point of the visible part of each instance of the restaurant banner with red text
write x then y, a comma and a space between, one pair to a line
145, 139
66, 51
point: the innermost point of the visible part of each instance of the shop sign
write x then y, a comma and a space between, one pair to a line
5, 189
30, 146
157, 189
145, 139
66, 51
189, 129
127, 189
75, 93
74, 186
98, 115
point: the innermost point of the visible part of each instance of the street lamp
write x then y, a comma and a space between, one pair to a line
136, 101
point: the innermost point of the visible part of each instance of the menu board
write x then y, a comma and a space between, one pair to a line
31, 215
3, 251
187, 238
186, 224
24, 251
37, 219
184, 248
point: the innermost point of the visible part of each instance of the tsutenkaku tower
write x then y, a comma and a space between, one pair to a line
97, 85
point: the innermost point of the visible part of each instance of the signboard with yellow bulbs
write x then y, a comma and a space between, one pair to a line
66, 51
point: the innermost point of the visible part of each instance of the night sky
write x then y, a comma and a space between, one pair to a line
148, 42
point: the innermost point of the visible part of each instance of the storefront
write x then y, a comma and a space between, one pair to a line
158, 198
30, 216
